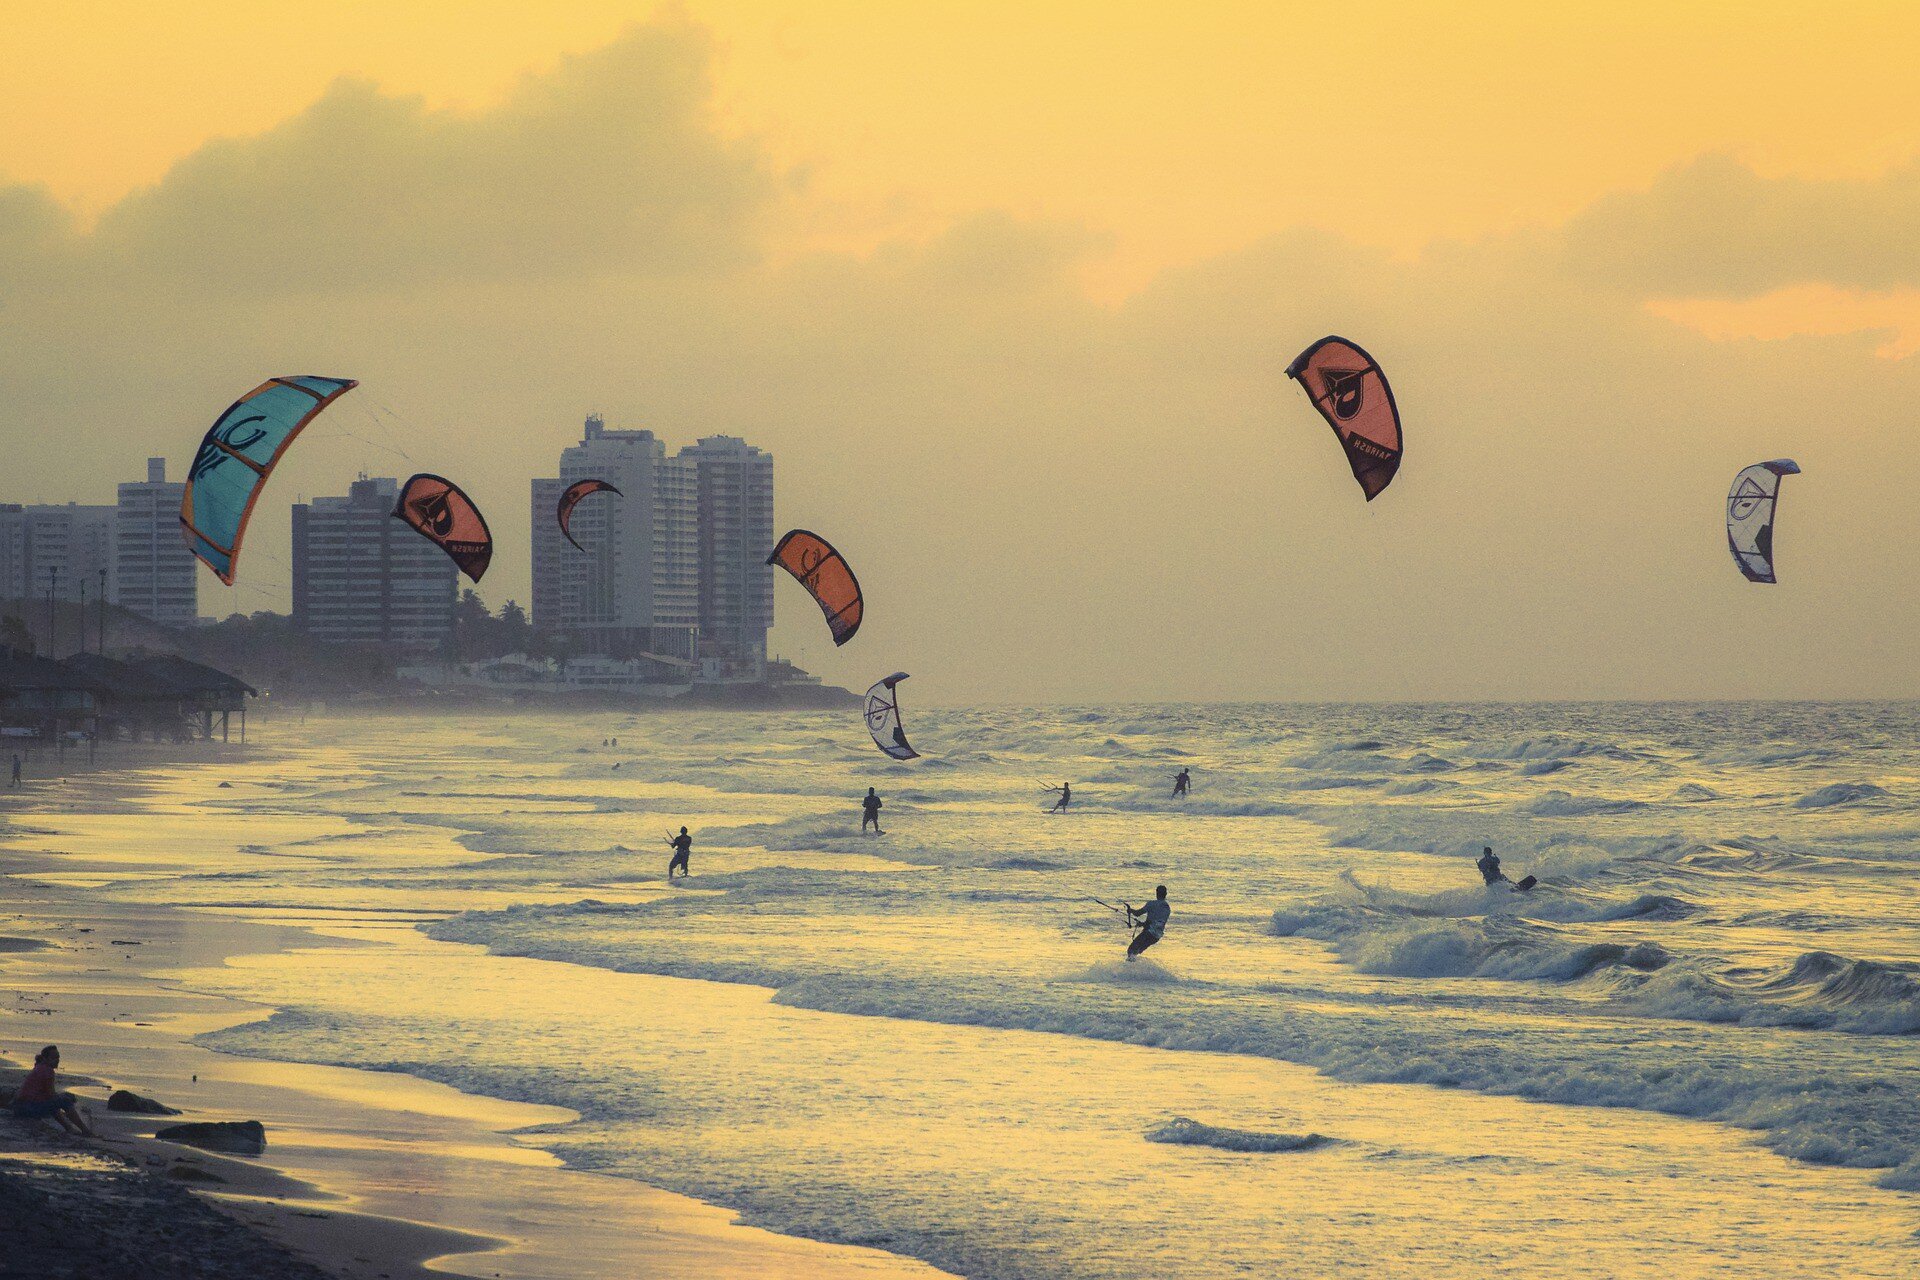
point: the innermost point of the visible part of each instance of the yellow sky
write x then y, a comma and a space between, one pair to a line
1177, 132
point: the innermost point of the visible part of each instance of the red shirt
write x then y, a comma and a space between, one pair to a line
38, 1086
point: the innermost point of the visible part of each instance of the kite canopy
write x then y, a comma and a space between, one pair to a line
1351, 393
571, 499
1750, 508
883, 719
237, 455
439, 512
823, 572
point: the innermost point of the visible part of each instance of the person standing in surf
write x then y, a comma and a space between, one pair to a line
1152, 920
870, 815
682, 846
1182, 782
1066, 797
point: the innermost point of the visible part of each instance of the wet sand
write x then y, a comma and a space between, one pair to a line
367, 1174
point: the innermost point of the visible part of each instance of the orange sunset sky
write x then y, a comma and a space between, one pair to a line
1008, 290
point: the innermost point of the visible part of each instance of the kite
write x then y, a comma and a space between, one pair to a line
883, 719
237, 455
571, 499
825, 574
1351, 393
1750, 507
443, 515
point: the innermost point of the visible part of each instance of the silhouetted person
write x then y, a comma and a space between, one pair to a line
1066, 797
682, 846
1181, 782
38, 1099
1489, 865
16, 770
870, 815
1152, 920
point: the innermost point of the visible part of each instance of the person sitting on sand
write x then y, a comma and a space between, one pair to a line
1182, 781
1066, 797
871, 812
37, 1099
1489, 865
682, 846
1152, 919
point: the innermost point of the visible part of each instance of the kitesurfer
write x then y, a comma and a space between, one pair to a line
1489, 865
682, 846
871, 813
16, 769
1182, 781
1490, 871
1152, 920
1066, 797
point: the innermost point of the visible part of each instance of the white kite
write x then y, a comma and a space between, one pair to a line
1750, 507
883, 719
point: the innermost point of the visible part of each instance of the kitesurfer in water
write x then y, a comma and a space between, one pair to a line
1490, 871
682, 846
871, 813
1152, 920
1489, 865
1066, 797
1182, 781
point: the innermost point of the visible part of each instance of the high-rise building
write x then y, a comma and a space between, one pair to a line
361, 576
56, 547
631, 587
733, 485
153, 567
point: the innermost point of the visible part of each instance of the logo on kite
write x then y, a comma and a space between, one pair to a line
883, 719
571, 499
436, 509
1346, 387
1336, 374
235, 457
827, 577
1752, 504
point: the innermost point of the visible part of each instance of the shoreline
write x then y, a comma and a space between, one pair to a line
367, 1174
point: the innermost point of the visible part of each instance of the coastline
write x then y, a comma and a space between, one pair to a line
366, 1174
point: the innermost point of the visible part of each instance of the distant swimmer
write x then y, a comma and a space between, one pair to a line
1182, 783
1066, 797
871, 813
1152, 920
1489, 865
682, 846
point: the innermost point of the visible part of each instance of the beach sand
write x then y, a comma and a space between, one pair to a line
367, 1174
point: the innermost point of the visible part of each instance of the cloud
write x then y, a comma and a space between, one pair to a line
1046, 496
608, 164
1715, 228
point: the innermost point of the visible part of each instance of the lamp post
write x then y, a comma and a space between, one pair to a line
103, 614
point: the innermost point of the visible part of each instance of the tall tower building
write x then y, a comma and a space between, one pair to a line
733, 486
634, 588
153, 567
361, 576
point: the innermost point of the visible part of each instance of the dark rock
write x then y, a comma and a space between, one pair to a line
127, 1100
187, 1173
234, 1137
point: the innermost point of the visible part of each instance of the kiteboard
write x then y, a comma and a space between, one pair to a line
1521, 886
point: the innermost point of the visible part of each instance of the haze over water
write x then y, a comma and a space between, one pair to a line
1687, 1052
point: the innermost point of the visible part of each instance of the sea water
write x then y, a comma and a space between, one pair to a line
1690, 1050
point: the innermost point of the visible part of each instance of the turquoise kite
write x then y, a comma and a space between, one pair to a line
237, 455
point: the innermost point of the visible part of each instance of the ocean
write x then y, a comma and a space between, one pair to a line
1690, 1050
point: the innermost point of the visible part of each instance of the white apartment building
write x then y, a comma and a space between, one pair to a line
154, 571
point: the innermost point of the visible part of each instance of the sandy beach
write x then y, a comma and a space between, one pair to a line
366, 1174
